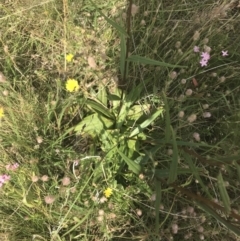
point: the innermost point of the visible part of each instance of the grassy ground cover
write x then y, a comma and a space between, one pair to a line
119, 120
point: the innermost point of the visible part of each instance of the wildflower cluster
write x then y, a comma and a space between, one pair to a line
205, 56
4, 177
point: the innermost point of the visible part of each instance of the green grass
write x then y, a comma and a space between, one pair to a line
124, 129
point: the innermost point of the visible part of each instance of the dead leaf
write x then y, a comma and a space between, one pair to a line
92, 62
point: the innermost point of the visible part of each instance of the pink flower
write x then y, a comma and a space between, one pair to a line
203, 62
225, 53
3, 179
205, 56
12, 167
196, 49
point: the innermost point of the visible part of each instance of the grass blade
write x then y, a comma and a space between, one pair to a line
144, 60
174, 165
238, 170
225, 222
167, 120
158, 189
122, 54
146, 123
119, 28
133, 166
195, 172
223, 193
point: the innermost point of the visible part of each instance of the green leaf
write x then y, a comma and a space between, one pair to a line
94, 125
128, 101
102, 94
174, 165
146, 123
137, 111
223, 193
133, 166
114, 97
144, 60
100, 108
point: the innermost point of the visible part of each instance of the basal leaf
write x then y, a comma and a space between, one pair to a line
133, 166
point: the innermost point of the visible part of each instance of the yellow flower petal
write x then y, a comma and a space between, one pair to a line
108, 192
72, 85
69, 57
1, 112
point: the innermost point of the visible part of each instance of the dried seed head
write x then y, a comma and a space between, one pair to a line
181, 114
192, 118
188, 92
49, 199
66, 181
196, 36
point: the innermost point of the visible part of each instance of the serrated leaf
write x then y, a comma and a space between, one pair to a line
94, 125
146, 123
223, 193
133, 166
144, 60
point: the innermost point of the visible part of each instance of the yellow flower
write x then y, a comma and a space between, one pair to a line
72, 85
69, 57
108, 192
1, 112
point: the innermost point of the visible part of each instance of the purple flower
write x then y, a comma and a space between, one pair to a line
205, 56
224, 53
196, 49
4, 178
203, 62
